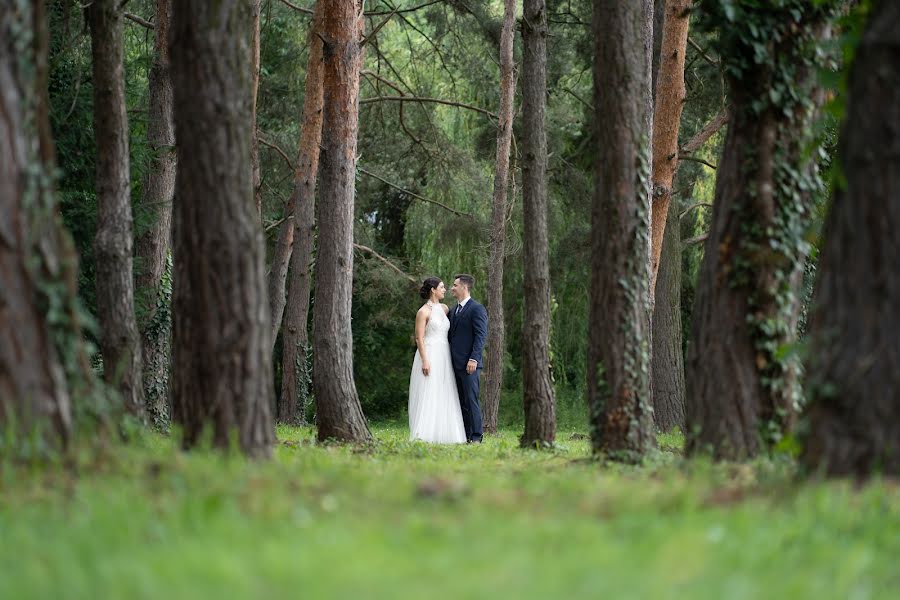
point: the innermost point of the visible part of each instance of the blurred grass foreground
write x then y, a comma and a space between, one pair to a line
409, 520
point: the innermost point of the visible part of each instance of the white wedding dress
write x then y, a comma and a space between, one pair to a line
434, 412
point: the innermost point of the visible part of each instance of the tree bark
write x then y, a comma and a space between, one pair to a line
34, 393
539, 401
295, 381
120, 342
854, 364
618, 343
670, 96
152, 247
742, 393
667, 372
499, 212
339, 415
222, 369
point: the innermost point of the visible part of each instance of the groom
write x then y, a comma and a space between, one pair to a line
468, 331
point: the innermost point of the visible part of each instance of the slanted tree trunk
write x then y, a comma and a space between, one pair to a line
152, 247
222, 360
120, 342
667, 372
256, 10
339, 415
540, 409
34, 393
854, 364
741, 388
670, 95
499, 213
295, 383
618, 324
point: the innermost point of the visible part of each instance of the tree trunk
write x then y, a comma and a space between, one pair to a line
120, 342
619, 353
34, 393
152, 247
256, 10
670, 96
295, 381
339, 415
741, 389
540, 410
499, 212
854, 365
667, 370
222, 369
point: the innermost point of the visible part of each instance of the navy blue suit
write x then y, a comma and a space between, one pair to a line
468, 333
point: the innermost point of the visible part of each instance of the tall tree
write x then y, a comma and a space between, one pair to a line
222, 369
295, 384
153, 245
339, 415
741, 386
499, 213
618, 322
670, 96
854, 364
540, 410
36, 258
120, 342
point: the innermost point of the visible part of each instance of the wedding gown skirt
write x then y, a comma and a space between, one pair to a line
434, 412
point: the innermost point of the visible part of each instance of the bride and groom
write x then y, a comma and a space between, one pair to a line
444, 383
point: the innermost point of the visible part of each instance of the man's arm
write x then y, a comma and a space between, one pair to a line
479, 329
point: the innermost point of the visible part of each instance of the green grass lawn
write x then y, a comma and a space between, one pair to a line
407, 520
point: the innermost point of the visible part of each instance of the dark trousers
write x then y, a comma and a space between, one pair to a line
468, 386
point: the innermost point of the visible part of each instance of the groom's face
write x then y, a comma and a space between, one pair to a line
459, 289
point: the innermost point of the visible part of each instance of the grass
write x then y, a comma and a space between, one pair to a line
408, 520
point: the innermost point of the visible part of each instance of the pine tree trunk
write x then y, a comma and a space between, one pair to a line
742, 393
295, 381
222, 369
499, 212
120, 342
152, 247
34, 393
670, 96
854, 364
667, 372
619, 351
539, 401
339, 415
256, 10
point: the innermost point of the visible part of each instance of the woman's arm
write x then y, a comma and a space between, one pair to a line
421, 322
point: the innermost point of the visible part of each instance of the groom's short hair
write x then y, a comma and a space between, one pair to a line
466, 280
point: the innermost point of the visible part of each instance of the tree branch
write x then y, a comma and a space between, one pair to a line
413, 194
707, 132
377, 29
299, 9
385, 261
435, 100
694, 240
698, 160
277, 149
703, 53
405, 10
139, 21
692, 207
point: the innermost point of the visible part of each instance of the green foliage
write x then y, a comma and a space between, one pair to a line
411, 520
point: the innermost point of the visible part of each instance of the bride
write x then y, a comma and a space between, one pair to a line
434, 411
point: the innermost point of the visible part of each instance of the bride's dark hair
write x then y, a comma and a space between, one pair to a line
428, 285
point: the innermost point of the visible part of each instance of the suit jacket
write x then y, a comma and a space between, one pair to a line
468, 333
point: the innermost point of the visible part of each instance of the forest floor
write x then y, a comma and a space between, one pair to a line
407, 520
